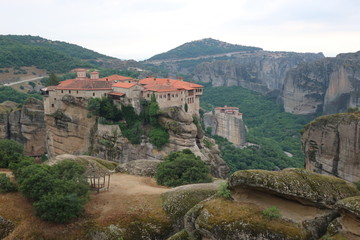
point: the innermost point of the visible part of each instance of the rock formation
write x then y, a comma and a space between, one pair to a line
308, 203
227, 124
331, 145
329, 85
25, 125
69, 130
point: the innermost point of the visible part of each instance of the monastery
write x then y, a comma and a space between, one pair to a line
125, 90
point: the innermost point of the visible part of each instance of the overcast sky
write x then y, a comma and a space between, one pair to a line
139, 29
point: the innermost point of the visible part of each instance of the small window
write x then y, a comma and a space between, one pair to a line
54, 98
93, 94
148, 95
52, 105
69, 91
62, 91
77, 91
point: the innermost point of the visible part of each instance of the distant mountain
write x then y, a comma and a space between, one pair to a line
54, 56
204, 47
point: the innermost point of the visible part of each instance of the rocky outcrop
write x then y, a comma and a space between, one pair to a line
69, 130
306, 201
331, 145
6, 227
141, 167
329, 85
229, 126
25, 125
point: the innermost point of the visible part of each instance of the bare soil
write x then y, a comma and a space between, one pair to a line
128, 197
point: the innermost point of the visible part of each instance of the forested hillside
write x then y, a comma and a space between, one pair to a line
269, 126
204, 47
54, 56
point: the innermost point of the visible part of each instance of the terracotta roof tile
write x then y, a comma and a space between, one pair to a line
123, 85
74, 84
116, 94
167, 85
115, 78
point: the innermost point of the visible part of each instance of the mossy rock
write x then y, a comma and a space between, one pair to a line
333, 119
226, 219
181, 235
179, 200
351, 204
141, 167
296, 184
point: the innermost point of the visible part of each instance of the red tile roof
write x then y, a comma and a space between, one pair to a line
227, 108
167, 85
87, 84
116, 94
123, 85
115, 78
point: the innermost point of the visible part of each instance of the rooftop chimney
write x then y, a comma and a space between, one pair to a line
94, 75
81, 73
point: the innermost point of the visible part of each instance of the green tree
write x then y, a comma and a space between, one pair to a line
158, 136
52, 80
186, 107
153, 110
181, 168
10, 151
6, 185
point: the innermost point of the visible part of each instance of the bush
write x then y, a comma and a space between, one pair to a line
158, 136
6, 185
181, 168
10, 151
59, 207
272, 213
357, 184
223, 191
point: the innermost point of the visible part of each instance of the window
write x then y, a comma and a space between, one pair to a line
77, 91
62, 91
52, 105
93, 94
54, 98
148, 95
69, 91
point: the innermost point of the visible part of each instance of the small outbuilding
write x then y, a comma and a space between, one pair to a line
98, 178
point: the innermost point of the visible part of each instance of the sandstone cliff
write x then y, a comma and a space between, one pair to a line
25, 125
330, 85
331, 146
225, 125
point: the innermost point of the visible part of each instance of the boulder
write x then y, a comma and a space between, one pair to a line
6, 227
141, 167
296, 184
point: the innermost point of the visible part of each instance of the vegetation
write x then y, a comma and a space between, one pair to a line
6, 185
104, 107
224, 191
10, 94
54, 56
180, 168
202, 47
272, 213
59, 192
10, 151
273, 130
52, 80
357, 184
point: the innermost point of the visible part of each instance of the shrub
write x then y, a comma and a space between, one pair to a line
272, 213
10, 151
223, 191
59, 207
6, 185
158, 136
357, 184
181, 168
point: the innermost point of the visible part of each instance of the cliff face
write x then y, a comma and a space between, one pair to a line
184, 134
228, 126
329, 85
69, 130
331, 146
25, 125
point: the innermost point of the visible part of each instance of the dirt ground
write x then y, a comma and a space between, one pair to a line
128, 196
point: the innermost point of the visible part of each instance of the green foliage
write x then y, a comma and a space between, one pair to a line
10, 94
269, 126
59, 207
52, 80
357, 184
132, 131
32, 84
223, 191
202, 48
181, 168
186, 107
10, 151
54, 56
153, 111
272, 213
6, 185
104, 107
59, 191
158, 136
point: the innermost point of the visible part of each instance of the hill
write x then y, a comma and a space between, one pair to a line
54, 56
203, 47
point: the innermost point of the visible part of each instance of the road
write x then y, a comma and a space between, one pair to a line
26, 80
